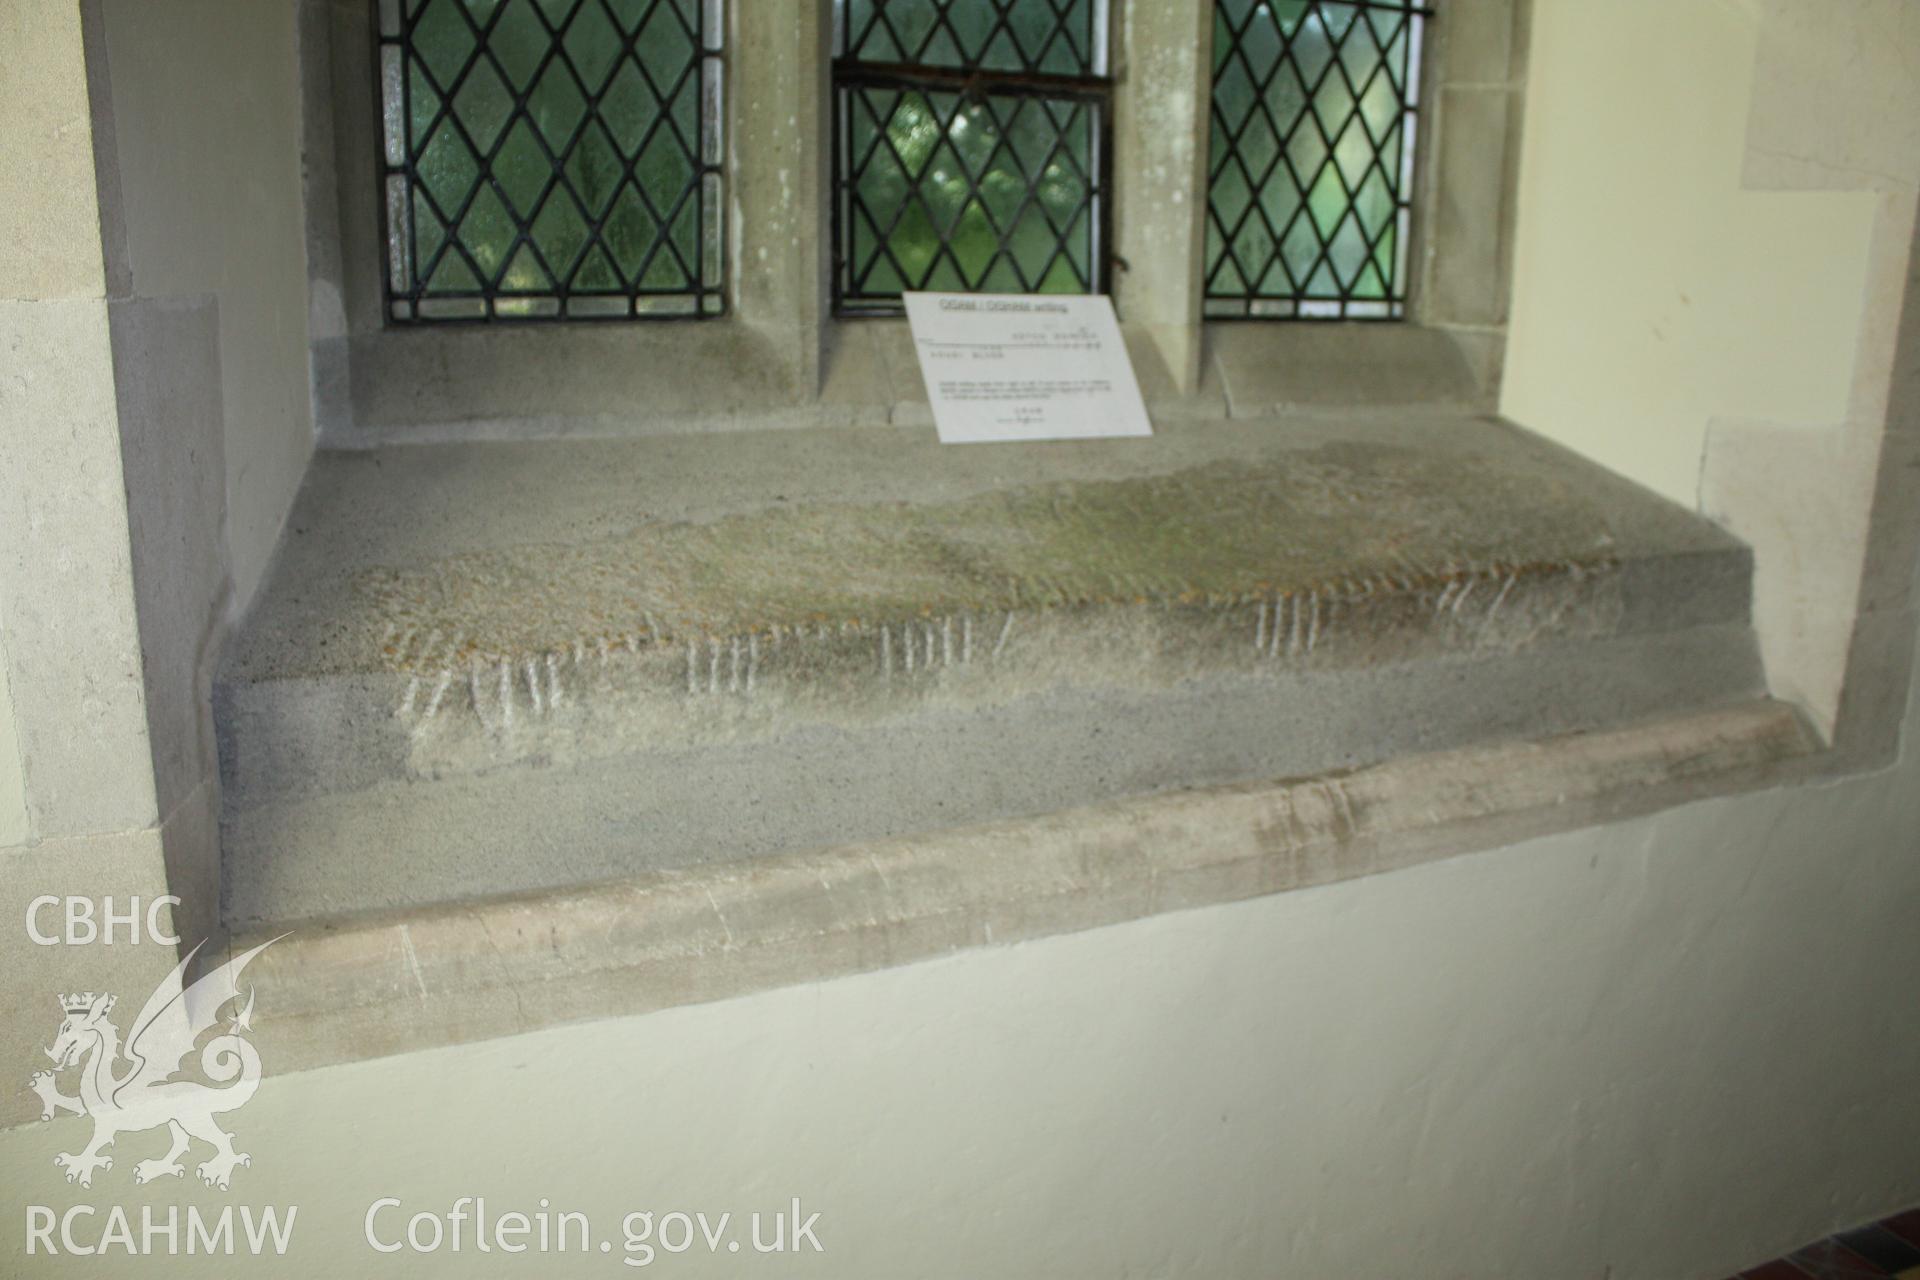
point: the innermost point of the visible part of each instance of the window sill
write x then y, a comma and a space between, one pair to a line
1008, 689
1272, 367
348, 990
427, 383
461, 383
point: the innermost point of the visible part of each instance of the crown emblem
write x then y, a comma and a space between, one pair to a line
81, 1001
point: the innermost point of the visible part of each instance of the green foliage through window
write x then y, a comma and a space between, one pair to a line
551, 159
1311, 160
970, 147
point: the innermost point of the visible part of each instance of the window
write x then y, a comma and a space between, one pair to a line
1311, 159
970, 148
551, 159
887, 145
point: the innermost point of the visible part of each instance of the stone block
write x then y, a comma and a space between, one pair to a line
72, 637
49, 216
708, 650
1468, 275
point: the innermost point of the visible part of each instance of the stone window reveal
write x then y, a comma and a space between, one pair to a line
970, 148
1310, 166
551, 159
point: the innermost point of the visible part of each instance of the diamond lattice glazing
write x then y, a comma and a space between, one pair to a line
1311, 159
550, 159
970, 141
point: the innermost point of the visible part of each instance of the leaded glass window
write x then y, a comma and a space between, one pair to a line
551, 159
970, 148
1310, 170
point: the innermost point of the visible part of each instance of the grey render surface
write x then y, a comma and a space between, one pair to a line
495, 668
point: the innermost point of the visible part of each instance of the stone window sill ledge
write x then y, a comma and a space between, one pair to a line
691, 715
389, 983
517, 382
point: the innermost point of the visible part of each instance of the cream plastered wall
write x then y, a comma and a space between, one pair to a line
207, 136
1709, 274
13, 784
79, 807
55, 554
46, 187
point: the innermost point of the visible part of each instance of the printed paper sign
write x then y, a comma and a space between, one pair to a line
1025, 367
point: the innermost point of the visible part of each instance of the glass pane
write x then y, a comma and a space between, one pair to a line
1056, 36
547, 157
995, 193
954, 173
1313, 113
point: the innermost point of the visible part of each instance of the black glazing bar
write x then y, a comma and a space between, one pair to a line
407, 210
388, 232
970, 82
1385, 6
839, 216
702, 53
1102, 264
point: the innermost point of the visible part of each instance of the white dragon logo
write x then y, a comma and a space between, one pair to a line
154, 1090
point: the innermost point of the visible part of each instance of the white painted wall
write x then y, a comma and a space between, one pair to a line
206, 121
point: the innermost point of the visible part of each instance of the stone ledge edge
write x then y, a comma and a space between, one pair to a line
353, 989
